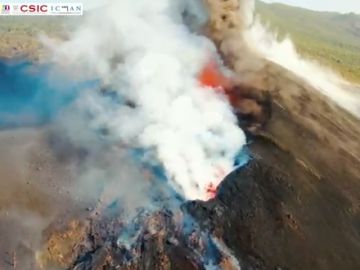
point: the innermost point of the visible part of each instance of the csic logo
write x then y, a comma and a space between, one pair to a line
34, 9
4, 9
39, 9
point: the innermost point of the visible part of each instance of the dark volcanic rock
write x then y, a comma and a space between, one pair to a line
152, 242
274, 214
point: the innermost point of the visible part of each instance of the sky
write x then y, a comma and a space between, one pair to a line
344, 6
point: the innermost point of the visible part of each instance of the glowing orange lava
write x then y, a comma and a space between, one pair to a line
211, 188
211, 191
211, 76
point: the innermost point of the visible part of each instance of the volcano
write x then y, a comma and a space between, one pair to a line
191, 150
287, 197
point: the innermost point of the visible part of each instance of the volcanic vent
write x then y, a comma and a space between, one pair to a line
163, 129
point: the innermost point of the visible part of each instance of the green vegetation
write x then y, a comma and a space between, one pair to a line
331, 38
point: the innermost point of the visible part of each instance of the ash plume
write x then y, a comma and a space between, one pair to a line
248, 47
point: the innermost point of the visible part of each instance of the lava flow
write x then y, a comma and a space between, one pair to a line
213, 78
251, 105
211, 188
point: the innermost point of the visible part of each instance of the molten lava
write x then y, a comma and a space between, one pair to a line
211, 76
211, 191
251, 105
211, 188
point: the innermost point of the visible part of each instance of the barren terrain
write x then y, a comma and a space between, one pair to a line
296, 205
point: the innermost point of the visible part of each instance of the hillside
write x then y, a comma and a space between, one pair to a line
331, 38
20, 35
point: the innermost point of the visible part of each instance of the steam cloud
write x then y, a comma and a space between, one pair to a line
322, 78
284, 53
246, 45
146, 57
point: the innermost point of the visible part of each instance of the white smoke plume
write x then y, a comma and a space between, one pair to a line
227, 253
322, 78
285, 54
145, 53
245, 43
149, 56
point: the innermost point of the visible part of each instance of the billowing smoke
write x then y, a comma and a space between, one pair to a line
246, 45
147, 61
322, 78
147, 112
